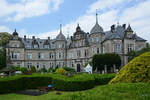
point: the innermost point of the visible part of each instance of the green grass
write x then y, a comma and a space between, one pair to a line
122, 91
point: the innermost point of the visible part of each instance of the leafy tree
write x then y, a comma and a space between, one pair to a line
100, 60
4, 38
2, 58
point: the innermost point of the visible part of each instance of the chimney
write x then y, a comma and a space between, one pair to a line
48, 38
25, 37
112, 28
33, 37
124, 26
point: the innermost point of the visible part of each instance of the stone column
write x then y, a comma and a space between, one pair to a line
114, 67
105, 68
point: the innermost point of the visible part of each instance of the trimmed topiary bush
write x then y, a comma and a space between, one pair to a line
33, 69
60, 71
137, 70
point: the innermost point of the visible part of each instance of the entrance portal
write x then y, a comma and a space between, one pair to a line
78, 67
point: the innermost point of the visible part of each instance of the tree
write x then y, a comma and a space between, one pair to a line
4, 38
109, 59
2, 58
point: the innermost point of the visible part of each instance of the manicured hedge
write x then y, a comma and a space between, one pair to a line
76, 83
102, 79
60, 82
16, 83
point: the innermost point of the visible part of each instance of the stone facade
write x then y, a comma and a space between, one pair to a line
75, 51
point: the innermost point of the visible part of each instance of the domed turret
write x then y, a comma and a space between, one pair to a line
15, 33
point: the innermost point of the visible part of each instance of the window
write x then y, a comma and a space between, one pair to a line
93, 51
63, 45
117, 47
28, 46
29, 65
59, 46
51, 55
37, 66
15, 55
97, 39
78, 53
46, 46
86, 52
29, 56
35, 46
40, 55
97, 50
130, 47
59, 55
70, 55
15, 44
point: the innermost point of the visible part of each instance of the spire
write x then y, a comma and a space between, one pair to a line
96, 17
129, 29
15, 29
78, 28
60, 28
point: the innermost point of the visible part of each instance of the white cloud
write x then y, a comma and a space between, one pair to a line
27, 8
4, 29
137, 15
104, 4
56, 4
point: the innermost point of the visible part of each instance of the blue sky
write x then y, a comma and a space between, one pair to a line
43, 17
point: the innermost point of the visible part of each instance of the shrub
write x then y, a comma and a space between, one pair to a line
23, 69
16, 68
60, 71
102, 79
43, 70
17, 83
51, 70
33, 69
137, 70
80, 82
75, 83
68, 69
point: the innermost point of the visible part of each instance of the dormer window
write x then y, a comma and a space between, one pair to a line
35, 46
15, 45
46, 46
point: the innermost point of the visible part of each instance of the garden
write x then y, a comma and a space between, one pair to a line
132, 82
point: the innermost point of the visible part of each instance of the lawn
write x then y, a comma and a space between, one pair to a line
122, 91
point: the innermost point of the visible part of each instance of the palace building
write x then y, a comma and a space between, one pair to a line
75, 51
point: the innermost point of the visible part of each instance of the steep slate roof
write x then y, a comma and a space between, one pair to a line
28, 43
119, 33
60, 36
96, 29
